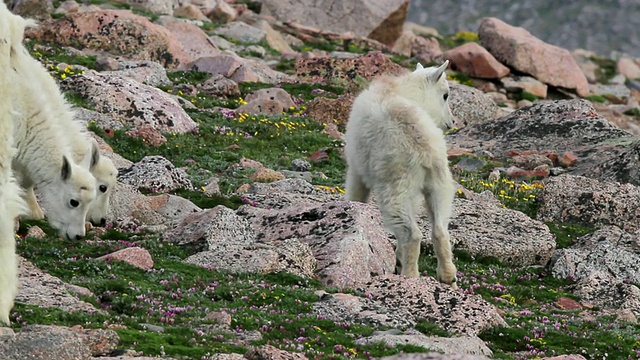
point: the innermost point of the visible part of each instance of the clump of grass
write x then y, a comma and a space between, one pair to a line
566, 234
51, 54
188, 77
596, 98
459, 38
517, 196
606, 70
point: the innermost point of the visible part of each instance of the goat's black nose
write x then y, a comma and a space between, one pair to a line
103, 222
78, 237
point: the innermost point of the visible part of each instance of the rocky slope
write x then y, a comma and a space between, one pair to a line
229, 236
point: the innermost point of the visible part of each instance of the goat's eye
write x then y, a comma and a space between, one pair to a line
103, 188
445, 97
74, 203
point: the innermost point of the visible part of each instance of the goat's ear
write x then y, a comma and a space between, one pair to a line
95, 155
437, 73
65, 172
419, 67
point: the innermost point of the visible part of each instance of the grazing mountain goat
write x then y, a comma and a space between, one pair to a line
43, 157
11, 202
78, 139
395, 147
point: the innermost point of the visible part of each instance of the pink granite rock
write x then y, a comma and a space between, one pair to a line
474, 60
522, 51
134, 256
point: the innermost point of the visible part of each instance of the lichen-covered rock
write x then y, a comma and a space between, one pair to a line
326, 110
609, 250
40, 289
471, 345
346, 238
134, 256
424, 298
42, 342
155, 174
271, 352
513, 237
352, 73
117, 32
602, 289
557, 125
471, 106
128, 205
133, 103
589, 202
238, 69
433, 356
145, 72
224, 240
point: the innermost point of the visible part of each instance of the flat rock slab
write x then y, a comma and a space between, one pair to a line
41, 289
424, 298
346, 238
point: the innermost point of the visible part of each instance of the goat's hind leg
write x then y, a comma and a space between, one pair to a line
399, 218
439, 200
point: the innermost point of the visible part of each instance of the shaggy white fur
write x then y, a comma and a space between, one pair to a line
395, 147
78, 138
11, 203
43, 156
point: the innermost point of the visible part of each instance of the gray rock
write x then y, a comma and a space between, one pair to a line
468, 345
134, 103
559, 125
300, 165
346, 238
471, 106
129, 206
267, 101
424, 298
221, 86
145, 72
432, 356
580, 200
619, 91
513, 237
238, 69
304, 175
224, 240
155, 174
471, 163
40, 342
103, 121
609, 250
241, 32
602, 289
43, 290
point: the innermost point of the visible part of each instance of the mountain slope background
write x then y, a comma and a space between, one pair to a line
599, 26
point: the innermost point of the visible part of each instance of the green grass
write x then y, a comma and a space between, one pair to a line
566, 234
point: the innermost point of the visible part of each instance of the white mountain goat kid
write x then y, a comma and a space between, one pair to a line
395, 147
44, 157
12, 204
78, 138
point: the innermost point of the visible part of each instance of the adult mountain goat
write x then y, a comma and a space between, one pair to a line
395, 147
